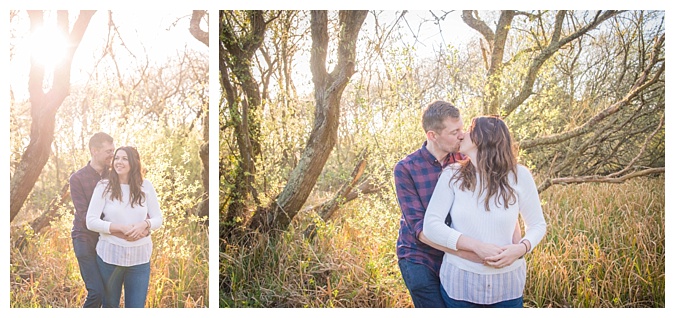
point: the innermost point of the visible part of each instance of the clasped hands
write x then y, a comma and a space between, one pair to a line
132, 232
500, 256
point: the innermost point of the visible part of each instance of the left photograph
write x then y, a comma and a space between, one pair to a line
108, 134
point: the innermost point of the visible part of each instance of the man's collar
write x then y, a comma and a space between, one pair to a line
427, 155
103, 174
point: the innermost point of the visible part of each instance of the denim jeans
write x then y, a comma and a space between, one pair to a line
85, 252
135, 280
452, 303
422, 283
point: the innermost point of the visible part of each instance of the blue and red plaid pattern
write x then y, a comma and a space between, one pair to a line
82, 184
415, 178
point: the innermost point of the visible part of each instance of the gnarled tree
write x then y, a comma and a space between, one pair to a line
44, 106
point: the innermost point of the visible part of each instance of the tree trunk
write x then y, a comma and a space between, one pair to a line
202, 36
328, 88
236, 54
203, 209
43, 108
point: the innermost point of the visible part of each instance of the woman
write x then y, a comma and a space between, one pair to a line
129, 206
485, 194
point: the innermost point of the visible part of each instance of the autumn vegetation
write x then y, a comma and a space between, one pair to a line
160, 106
308, 214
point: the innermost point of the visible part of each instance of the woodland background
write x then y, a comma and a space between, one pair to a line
317, 107
118, 76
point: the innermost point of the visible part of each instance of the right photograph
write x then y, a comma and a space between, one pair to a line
442, 159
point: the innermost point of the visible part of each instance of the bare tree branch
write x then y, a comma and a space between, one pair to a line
599, 179
538, 61
195, 29
640, 85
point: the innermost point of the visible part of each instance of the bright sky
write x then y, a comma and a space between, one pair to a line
150, 33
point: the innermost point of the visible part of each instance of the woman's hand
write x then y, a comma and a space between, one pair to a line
487, 250
137, 231
509, 255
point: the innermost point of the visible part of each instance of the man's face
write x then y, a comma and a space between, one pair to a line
448, 139
103, 155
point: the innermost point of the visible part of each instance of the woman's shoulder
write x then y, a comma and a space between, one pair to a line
525, 177
147, 185
521, 169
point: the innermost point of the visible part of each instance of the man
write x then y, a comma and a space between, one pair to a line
415, 178
82, 184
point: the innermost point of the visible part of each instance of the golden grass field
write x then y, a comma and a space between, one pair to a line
605, 247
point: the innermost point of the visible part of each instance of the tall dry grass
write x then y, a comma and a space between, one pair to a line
605, 247
44, 272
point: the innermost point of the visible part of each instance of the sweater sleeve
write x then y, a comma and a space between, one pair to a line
154, 212
530, 207
94, 222
434, 227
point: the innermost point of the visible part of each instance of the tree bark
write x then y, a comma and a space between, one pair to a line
236, 54
328, 88
202, 36
43, 108
195, 30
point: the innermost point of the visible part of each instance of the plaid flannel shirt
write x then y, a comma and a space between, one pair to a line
82, 184
415, 178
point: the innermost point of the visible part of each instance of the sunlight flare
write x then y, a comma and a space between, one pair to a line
48, 47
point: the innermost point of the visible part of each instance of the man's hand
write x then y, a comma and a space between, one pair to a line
486, 250
146, 232
509, 255
136, 230
130, 232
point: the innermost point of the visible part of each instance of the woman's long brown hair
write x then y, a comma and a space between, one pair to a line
495, 159
136, 196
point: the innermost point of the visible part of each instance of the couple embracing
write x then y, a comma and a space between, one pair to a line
461, 195
115, 211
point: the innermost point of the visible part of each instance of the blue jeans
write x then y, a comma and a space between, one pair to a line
452, 303
85, 252
135, 280
422, 283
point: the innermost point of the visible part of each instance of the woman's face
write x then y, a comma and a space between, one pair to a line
466, 145
121, 163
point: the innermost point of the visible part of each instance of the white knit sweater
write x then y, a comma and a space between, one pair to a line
121, 212
469, 217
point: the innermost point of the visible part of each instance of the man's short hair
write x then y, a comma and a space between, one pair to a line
436, 113
97, 140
